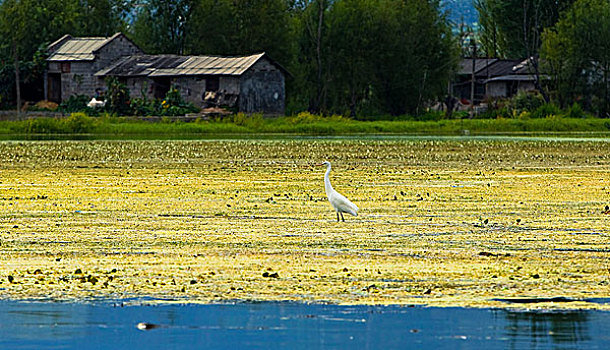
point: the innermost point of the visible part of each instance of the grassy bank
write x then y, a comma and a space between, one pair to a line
306, 124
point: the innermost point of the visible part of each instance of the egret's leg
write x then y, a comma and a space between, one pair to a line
342, 218
337, 216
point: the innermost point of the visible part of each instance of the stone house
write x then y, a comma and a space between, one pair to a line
511, 80
73, 62
493, 78
253, 83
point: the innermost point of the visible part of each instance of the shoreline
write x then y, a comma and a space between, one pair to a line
77, 125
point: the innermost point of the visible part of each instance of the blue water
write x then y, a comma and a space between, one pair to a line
38, 325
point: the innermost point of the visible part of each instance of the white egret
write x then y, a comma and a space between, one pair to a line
336, 199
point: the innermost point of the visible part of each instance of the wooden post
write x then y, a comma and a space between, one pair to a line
45, 78
472, 81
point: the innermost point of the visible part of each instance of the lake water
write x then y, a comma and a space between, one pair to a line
112, 325
509, 137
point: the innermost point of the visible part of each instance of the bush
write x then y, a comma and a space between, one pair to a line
526, 101
39, 126
496, 108
576, 111
242, 119
173, 104
76, 103
79, 123
431, 116
76, 123
546, 110
117, 97
173, 97
304, 118
309, 118
141, 106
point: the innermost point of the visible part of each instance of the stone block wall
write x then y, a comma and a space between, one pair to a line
193, 89
140, 87
262, 89
76, 78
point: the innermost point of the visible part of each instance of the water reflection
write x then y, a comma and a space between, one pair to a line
295, 326
547, 328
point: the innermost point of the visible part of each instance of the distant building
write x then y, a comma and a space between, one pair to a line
493, 78
251, 83
73, 62
79, 66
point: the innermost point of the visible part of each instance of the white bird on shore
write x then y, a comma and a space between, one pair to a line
336, 199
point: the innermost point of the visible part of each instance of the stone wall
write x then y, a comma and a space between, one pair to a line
78, 81
508, 88
138, 87
262, 89
497, 89
193, 89
119, 47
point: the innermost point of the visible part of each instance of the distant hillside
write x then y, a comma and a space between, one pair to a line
461, 10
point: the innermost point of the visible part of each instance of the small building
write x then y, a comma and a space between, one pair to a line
493, 78
509, 81
251, 84
80, 66
73, 62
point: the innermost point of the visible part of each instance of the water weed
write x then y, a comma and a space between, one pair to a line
446, 223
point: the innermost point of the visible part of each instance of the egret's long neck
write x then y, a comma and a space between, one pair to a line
327, 185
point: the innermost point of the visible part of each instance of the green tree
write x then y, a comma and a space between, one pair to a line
161, 26
513, 29
389, 56
102, 17
416, 55
118, 97
238, 27
26, 26
213, 28
491, 41
577, 52
353, 37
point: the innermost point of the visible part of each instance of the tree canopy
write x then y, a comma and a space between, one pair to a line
27, 26
345, 56
577, 53
513, 28
161, 26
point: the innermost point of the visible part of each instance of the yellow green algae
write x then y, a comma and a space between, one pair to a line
441, 223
